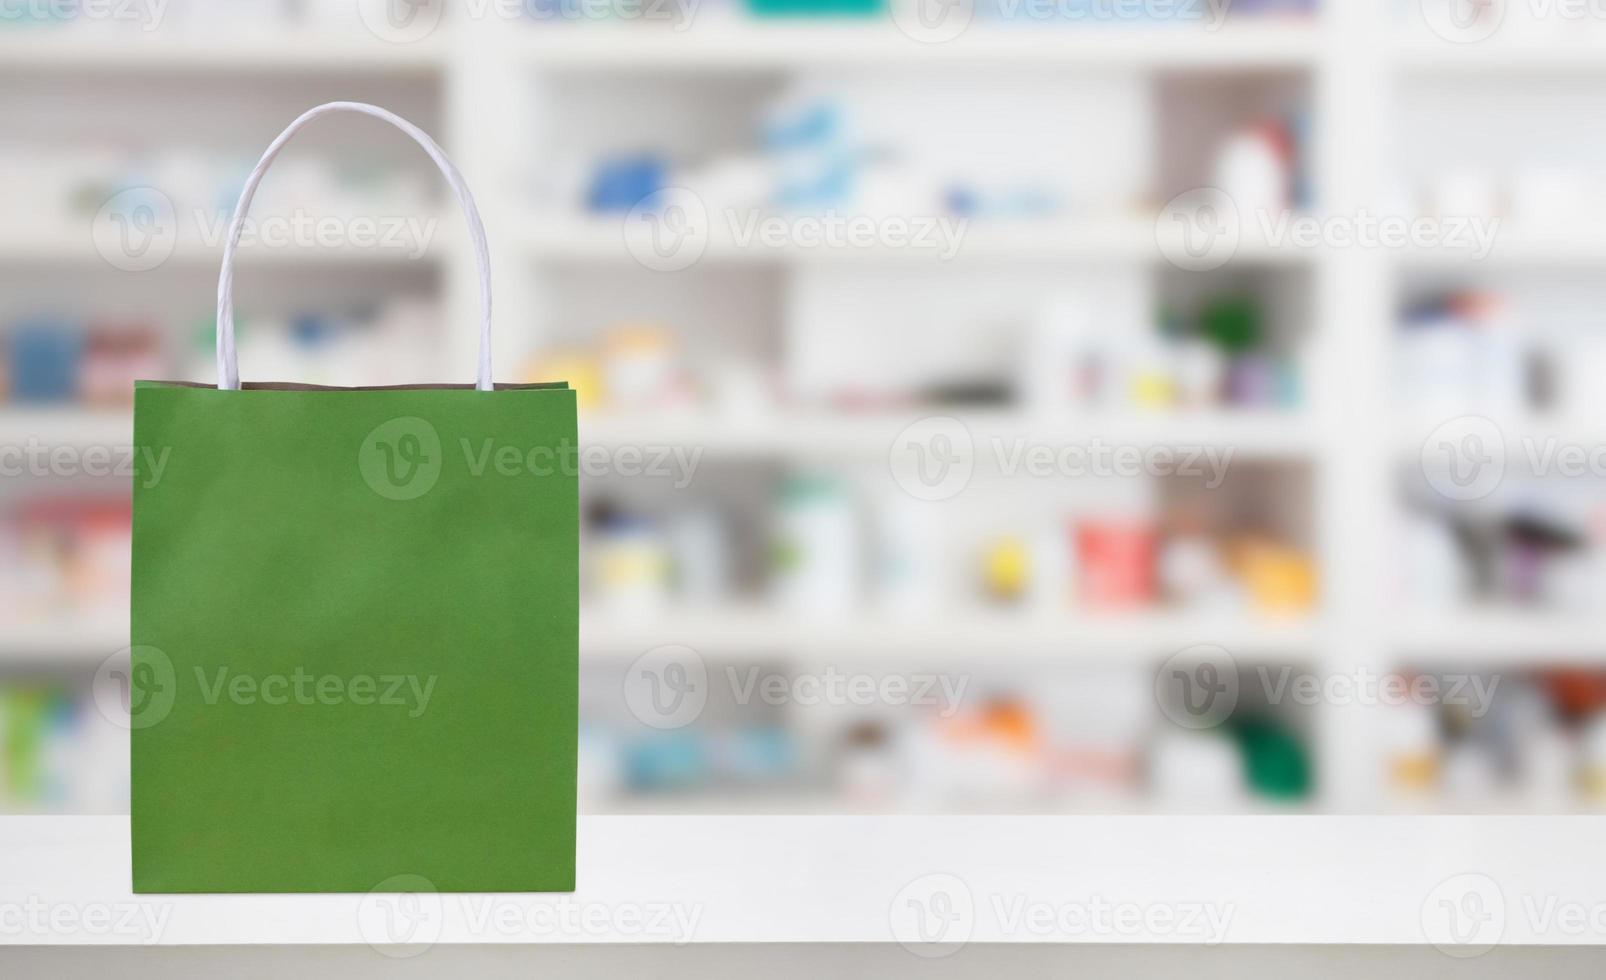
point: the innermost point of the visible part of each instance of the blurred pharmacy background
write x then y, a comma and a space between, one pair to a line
764, 238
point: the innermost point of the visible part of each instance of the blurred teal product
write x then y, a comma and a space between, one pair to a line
666, 761
815, 8
759, 754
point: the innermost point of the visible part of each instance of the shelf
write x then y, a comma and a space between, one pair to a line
1516, 247
1021, 635
76, 248
590, 239
22, 425
71, 642
65, 52
1500, 637
881, 44
1249, 434
1528, 438
722, 879
1573, 53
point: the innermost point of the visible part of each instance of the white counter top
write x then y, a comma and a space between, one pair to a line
1457, 882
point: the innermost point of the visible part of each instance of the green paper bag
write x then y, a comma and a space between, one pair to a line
354, 627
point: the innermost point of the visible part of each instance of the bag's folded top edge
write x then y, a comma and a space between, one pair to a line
296, 386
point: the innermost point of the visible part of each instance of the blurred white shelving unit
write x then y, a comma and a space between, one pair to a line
483, 73
1346, 434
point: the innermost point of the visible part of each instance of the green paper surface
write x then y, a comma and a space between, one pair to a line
354, 629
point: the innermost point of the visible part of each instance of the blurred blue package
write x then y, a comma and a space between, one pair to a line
43, 356
620, 183
815, 160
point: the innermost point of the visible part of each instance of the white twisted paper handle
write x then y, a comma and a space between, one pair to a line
228, 372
